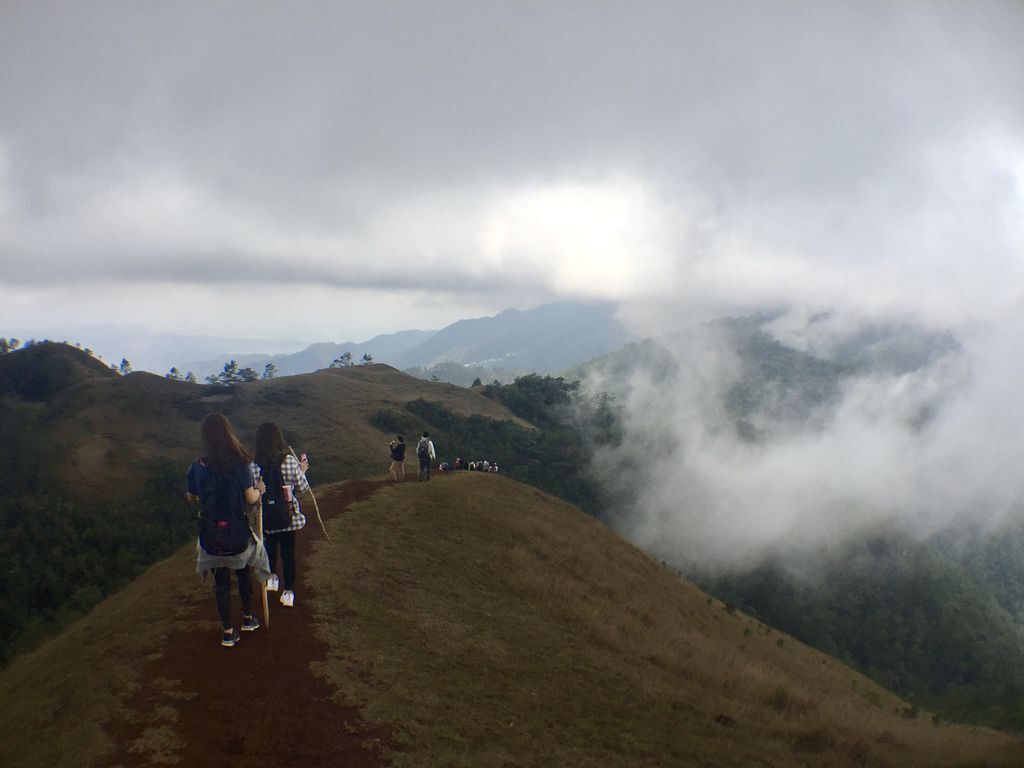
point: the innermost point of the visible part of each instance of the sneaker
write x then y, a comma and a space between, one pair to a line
273, 583
229, 638
250, 623
287, 598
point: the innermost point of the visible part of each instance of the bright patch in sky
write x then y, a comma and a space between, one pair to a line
601, 240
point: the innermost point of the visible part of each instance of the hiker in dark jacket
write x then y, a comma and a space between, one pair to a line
222, 482
425, 453
274, 462
397, 467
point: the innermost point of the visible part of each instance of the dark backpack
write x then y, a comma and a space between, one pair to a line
423, 448
223, 526
277, 513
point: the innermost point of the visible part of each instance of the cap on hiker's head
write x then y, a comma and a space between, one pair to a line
426, 434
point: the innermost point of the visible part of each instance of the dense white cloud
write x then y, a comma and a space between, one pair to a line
920, 448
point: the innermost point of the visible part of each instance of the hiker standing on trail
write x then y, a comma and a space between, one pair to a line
397, 467
284, 476
223, 484
425, 453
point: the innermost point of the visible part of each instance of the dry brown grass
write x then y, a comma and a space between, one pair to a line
492, 625
57, 698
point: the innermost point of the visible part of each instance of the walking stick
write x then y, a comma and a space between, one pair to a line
259, 533
317, 508
313, 496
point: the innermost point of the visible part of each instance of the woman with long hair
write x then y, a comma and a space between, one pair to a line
222, 481
275, 464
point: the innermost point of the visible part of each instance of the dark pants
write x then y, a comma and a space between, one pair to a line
424, 469
222, 590
286, 541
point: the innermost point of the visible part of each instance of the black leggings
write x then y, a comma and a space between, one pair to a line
286, 541
222, 589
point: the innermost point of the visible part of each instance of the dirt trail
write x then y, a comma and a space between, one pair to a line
201, 704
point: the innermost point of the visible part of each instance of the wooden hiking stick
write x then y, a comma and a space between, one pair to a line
313, 496
259, 533
317, 508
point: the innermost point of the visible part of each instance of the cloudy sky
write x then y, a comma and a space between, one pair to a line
329, 171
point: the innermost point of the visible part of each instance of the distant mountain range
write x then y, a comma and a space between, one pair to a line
316, 356
547, 339
544, 340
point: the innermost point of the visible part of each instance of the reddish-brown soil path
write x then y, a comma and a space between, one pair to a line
257, 703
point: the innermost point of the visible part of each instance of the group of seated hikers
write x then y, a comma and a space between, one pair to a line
426, 455
482, 465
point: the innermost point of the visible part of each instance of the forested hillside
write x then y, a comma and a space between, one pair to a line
96, 488
96, 481
915, 619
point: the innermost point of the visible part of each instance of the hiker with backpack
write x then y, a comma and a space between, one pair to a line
221, 480
397, 467
425, 453
284, 476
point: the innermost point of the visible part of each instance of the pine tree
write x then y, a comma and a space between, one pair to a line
230, 374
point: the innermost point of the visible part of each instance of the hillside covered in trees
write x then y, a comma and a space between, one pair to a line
97, 460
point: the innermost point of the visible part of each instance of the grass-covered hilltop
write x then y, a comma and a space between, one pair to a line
478, 620
472, 621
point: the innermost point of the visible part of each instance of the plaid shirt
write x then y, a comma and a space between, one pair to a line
291, 474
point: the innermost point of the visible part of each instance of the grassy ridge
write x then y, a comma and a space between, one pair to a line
96, 436
489, 624
492, 625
